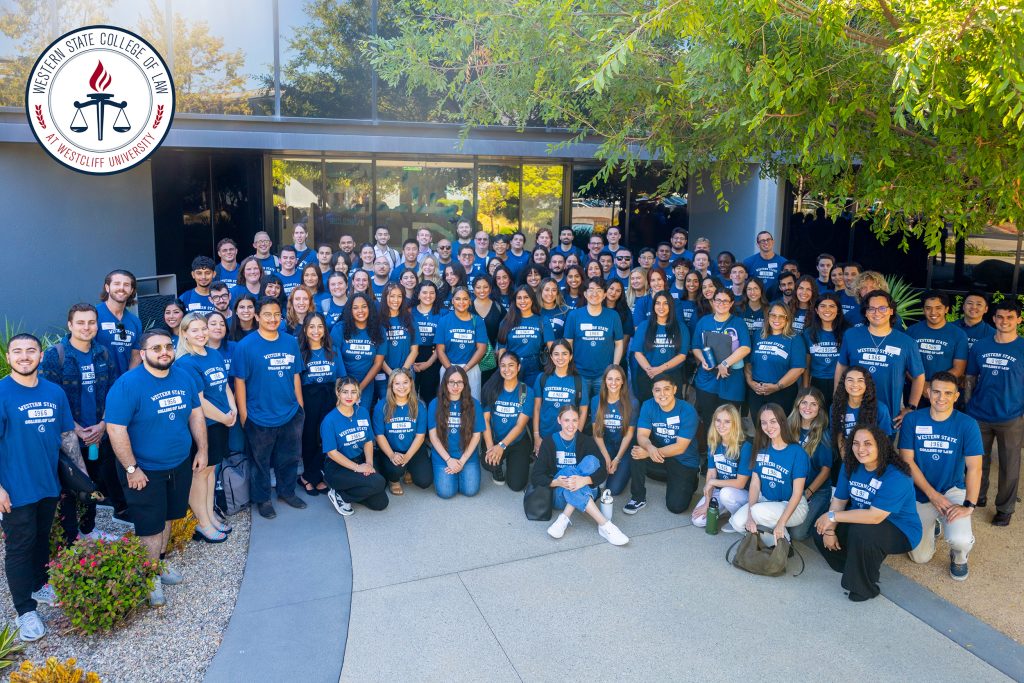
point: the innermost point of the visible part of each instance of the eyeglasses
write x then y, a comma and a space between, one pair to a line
160, 347
456, 383
623, 258
220, 297
446, 247
878, 309
765, 240
721, 301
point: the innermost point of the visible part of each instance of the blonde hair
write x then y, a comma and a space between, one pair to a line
389, 396
184, 345
733, 441
436, 279
631, 295
872, 277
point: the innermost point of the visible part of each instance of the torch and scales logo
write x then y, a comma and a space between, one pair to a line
100, 100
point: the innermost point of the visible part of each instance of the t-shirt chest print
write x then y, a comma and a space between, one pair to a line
278, 362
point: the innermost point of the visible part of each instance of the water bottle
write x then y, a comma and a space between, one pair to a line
709, 356
607, 504
712, 525
94, 451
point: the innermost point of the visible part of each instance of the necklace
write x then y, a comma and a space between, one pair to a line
880, 341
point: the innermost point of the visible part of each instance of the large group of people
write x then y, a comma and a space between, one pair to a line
356, 371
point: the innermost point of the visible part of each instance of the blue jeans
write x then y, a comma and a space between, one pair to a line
578, 499
593, 387
466, 482
816, 507
616, 483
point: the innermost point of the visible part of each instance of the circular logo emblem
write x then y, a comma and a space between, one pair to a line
100, 100
42, 429
872, 369
170, 416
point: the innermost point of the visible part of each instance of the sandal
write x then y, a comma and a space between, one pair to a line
309, 488
396, 489
407, 478
222, 527
322, 488
215, 537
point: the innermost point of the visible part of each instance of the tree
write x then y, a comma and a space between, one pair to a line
913, 110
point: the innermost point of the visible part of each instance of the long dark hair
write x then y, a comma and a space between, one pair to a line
794, 305
373, 329
887, 454
436, 308
531, 267
511, 281
467, 409
839, 326
704, 306
304, 347
671, 324
460, 273
273, 279
495, 383
583, 281
404, 312
319, 279
235, 331
868, 406
514, 317
761, 440
549, 367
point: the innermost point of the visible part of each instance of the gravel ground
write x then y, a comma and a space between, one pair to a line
171, 644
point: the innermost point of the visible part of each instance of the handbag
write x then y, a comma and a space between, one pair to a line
488, 362
757, 558
537, 503
73, 480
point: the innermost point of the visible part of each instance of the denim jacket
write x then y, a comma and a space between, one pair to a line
69, 376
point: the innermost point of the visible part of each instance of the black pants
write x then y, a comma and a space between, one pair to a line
317, 400
418, 467
825, 387
103, 472
518, 458
784, 397
354, 487
680, 482
27, 540
428, 380
862, 549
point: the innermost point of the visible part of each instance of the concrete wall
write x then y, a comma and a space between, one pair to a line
63, 231
755, 204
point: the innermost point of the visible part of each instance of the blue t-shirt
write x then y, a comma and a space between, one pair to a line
686, 311
517, 263
31, 422
401, 430
941, 448
426, 327
226, 349
289, 282
269, 264
358, 352
593, 338
766, 269
321, 370
333, 312
378, 290
733, 387
304, 256
754, 320
642, 309
528, 337
120, 336
824, 354
228, 277
851, 308
778, 469
999, 393
727, 468
398, 342
800, 320
556, 318
773, 357
975, 332
939, 348
460, 337
211, 375
505, 412
613, 423
820, 458
347, 435
663, 349
268, 369
196, 302
555, 392
887, 358
156, 411
87, 376
452, 444
666, 426
893, 492
851, 416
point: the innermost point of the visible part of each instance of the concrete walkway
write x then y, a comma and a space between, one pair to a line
468, 589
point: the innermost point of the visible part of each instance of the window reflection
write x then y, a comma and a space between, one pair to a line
297, 184
423, 194
542, 198
497, 198
596, 208
348, 201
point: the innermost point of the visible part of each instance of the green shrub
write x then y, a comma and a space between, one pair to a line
8, 331
99, 583
9, 645
907, 299
53, 671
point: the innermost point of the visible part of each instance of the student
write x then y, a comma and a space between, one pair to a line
468, 261
463, 233
525, 332
614, 236
887, 353
995, 387
656, 282
220, 297
856, 402
765, 264
270, 285
426, 317
689, 298
508, 409
300, 305
728, 467
553, 307
809, 423
623, 265
596, 335
823, 336
824, 264
218, 339
615, 300
454, 277
119, 328
153, 417
545, 238
197, 300
786, 288
556, 266
504, 287
381, 248
250, 279
400, 426
289, 273
311, 278
492, 314
848, 297
837, 279
752, 306
939, 444
455, 422
778, 475
208, 370
943, 346
359, 337
595, 245
324, 262
776, 363
645, 259
243, 321
346, 245
380, 280
558, 385
738, 277
725, 262
802, 305
424, 239
400, 348
702, 265
565, 246
334, 304
174, 311
572, 292
568, 463
348, 445
614, 414
637, 287
410, 259
268, 392
462, 339
481, 252
517, 258
542, 256
430, 270
659, 347
303, 254
872, 513
662, 256
227, 269
973, 323
322, 366
665, 436
262, 244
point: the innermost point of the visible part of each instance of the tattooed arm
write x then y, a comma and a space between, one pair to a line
69, 444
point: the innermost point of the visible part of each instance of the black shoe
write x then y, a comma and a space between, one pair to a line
122, 516
294, 501
982, 502
1002, 519
498, 474
266, 510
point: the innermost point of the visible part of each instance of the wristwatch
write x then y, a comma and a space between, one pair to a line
130, 469
503, 446
968, 504
912, 406
832, 515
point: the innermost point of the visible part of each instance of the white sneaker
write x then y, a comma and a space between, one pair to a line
344, 509
97, 535
45, 595
558, 527
611, 533
170, 576
30, 626
156, 596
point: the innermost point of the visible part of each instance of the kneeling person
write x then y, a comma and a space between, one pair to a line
348, 444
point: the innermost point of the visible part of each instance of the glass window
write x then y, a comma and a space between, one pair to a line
542, 198
497, 198
595, 208
423, 194
348, 201
297, 185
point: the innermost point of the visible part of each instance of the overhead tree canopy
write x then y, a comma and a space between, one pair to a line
913, 109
